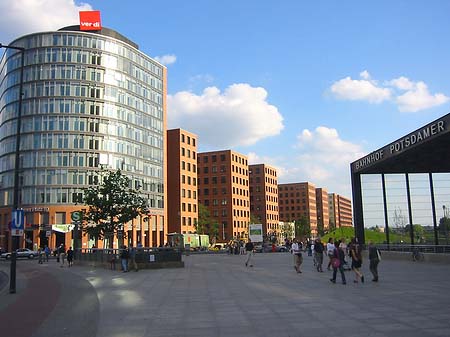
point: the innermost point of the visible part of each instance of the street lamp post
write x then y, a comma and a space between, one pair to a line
16, 192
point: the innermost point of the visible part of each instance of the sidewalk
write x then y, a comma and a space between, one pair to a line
216, 295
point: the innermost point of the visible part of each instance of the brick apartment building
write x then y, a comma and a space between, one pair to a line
264, 198
223, 187
182, 207
323, 215
297, 201
340, 211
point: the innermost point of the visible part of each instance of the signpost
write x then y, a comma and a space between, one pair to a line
17, 228
255, 232
76, 217
18, 222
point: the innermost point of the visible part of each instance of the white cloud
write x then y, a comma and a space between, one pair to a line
20, 17
320, 157
365, 75
166, 59
416, 98
201, 78
419, 98
360, 90
239, 116
401, 83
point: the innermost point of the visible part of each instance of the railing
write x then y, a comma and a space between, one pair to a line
442, 249
143, 255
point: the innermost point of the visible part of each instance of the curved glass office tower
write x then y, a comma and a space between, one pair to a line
91, 100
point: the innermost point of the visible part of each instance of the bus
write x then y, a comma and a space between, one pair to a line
188, 241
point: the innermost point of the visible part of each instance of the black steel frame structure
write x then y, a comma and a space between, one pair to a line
425, 150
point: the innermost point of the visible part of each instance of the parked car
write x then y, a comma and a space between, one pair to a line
21, 253
218, 247
282, 249
258, 248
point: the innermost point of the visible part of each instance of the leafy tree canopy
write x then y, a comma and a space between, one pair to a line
111, 204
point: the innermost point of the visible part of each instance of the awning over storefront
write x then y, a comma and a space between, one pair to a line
63, 228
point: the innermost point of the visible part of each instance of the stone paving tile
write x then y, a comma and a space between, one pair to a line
215, 295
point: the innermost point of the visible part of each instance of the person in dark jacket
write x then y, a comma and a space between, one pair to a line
124, 255
337, 262
70, 257
249, 247
374, 258
318, 254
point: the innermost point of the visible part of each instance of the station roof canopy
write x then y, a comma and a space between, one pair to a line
424, 150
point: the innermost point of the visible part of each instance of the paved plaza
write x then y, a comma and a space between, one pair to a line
216, 295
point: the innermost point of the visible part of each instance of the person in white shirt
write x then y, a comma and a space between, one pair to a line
330, 251
296, 250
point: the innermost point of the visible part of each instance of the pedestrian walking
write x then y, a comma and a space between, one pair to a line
62, 254
241, 248
133, 258
40, 255
337, 262
330, 252
374, 259
309, 247
296, 250
318, 254
124, 255
47, 253
344, 248
355, 252
249, 249
70, 257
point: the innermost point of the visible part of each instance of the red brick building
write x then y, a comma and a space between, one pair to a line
323, 216
223, 187
298, 201
182, 207
340, 211
264, 198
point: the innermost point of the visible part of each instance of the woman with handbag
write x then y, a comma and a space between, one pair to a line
337, 262
355, 251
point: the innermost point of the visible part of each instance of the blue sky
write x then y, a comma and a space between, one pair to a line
304, 86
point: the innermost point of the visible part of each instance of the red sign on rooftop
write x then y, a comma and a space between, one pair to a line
90, 20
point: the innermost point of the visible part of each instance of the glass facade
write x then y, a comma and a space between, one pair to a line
89, 101
406, 199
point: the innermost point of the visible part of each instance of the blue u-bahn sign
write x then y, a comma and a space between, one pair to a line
17, 222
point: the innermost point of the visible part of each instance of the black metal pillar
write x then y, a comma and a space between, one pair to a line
433, 209
386, 218
408, 194
358, 218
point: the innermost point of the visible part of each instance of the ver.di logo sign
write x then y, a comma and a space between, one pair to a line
90, 20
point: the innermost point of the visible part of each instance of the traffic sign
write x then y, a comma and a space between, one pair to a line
76, 216
17, 222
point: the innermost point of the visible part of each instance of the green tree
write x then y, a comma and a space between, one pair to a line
206, 224
111, 204
331, 226
204, 219
286, 230
214, 231
302, 228
444, 227
254, 219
